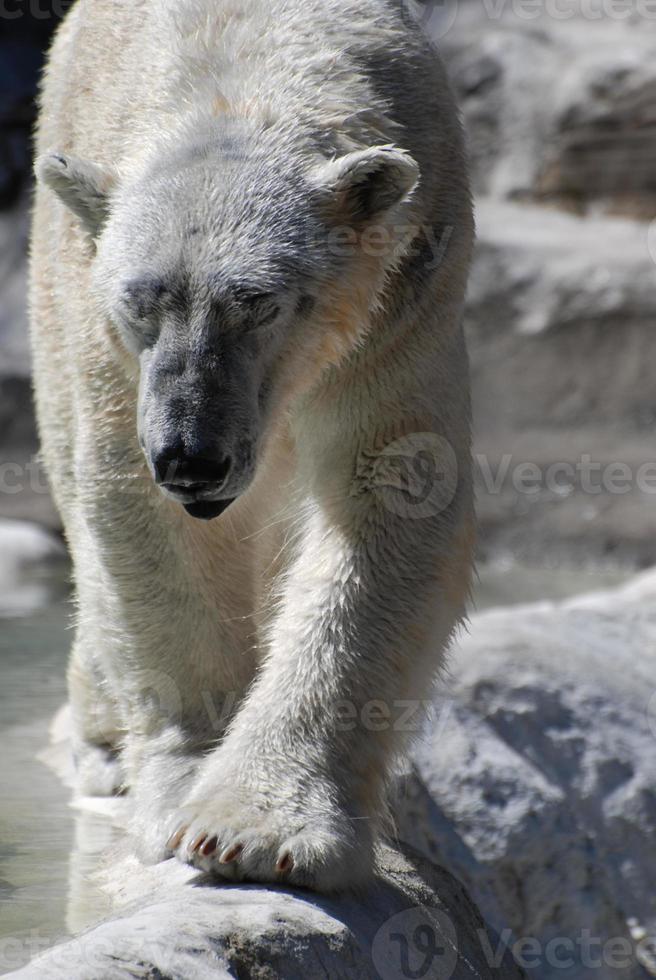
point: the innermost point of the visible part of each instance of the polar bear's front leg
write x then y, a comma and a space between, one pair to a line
296, 790
96, 730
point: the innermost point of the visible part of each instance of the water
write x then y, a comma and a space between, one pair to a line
37, 824
36, 827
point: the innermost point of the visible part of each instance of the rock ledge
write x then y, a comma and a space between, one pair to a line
416, 920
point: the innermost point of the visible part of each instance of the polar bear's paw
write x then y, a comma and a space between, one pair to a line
243, 836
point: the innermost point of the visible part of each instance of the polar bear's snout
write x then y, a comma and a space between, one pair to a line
193, 480
199, 427
180, 472
202, 472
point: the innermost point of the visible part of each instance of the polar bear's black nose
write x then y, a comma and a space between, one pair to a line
180, 471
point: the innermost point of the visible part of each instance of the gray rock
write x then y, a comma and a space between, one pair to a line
33, 568
24, 493
415, 921
555, 301
557, 99
23, 40
558, 107
536, 784
604, 140
14, 344
560, 322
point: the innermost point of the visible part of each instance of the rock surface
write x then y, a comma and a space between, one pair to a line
560, 328
557, 99
24, 493
415, 921
23, 38
536, 784
34, 568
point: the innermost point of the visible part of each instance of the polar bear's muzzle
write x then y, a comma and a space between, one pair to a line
193, 481
198, 434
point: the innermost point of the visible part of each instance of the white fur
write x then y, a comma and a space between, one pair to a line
310, 593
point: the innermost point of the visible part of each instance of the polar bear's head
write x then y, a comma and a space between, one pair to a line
233, 280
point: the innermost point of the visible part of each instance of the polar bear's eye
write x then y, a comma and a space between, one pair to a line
141, 297
261, 308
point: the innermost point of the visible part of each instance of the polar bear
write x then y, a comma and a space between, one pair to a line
252, 391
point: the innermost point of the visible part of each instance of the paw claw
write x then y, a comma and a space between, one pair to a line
238, 834
197, 841
209, 846
175, 839
285, 863
231, 854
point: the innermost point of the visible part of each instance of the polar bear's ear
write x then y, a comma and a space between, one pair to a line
83, 187
365, 184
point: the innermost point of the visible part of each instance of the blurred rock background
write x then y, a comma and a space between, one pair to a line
559, 102
25, 31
